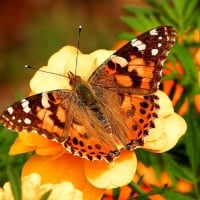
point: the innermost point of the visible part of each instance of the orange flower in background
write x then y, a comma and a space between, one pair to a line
55, 165
197, 61
170, 85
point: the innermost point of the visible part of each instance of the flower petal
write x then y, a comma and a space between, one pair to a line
7, 191
65, 189
168, 137
27, 142
101, 55
61, 63
30, 184
60, 59
111, 175
173, 134
165, 104
63, 168
44, 81
19, 147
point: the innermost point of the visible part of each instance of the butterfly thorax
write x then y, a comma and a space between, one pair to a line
82, 90
87, 97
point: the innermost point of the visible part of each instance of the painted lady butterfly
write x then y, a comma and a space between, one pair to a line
113, 110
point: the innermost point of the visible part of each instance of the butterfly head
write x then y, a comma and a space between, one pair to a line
73, 80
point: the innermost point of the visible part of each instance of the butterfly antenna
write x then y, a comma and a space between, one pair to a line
78, 44
36, 69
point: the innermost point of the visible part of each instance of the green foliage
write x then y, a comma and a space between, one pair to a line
10, 166
15, 181
183, 15
45, 195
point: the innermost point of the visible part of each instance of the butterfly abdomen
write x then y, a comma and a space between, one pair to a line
90, 101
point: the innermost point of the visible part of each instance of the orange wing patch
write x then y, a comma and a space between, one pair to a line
124, 80
82, 144
140, 113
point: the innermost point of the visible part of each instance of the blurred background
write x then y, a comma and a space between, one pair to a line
31, 31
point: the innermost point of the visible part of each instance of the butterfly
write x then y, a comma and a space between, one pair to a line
113, 110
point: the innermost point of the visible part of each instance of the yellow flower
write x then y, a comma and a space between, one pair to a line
51, 160
32, 189
169, 127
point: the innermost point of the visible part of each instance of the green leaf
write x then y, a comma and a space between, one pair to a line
135, 187
168, 194
143, 197
189, 8
154, 21
116, 193
125, 36
7, 138
179, 7
192, 139
141, 24
136, 9
173, 168
143, 157
192, 20
155, 159
165, 21
168, 11
186, 59
45, 195
153, 3
15, 182
131, 22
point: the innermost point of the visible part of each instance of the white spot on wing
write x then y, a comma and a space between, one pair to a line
153, 32
119, 60
45, 100
162, 62
139, 44
19, 120
26, 109
10, 110
161, 73
13, 117
27, 121
25, 105
154, 52
159, 44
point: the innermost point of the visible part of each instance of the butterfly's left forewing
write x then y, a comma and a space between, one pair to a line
47, 114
